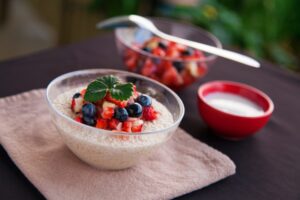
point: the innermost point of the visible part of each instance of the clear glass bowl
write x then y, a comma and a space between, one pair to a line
106, 149
136, 60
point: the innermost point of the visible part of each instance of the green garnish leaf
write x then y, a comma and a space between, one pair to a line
97, 89
109, 80
122, 91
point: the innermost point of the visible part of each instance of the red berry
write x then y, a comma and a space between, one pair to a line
131, 63
101, 123
82, 92
149, 114
73, 103
113, 124
78, 119
137, 126
126, 126
135, 93
187, 78
119, 103
172, 53
148, 68
158, 52
171, 77
107, 113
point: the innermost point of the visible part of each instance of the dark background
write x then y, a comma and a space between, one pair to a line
268, 29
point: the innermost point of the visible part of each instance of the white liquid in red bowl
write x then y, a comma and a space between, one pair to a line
233, 104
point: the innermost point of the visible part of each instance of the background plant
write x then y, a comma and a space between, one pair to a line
268, 29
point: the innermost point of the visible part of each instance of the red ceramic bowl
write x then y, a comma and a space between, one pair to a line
228, 125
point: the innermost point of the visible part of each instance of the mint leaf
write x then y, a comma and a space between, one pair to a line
109, 80
95, 91
122, 91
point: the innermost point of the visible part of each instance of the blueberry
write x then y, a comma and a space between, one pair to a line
134, 110
147, 49
89, 110
144, 100
178, 65
162, 45
121, 114
76, 95
187, 52
89, 121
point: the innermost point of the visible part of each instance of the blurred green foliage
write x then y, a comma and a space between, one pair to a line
114, 7
265, 28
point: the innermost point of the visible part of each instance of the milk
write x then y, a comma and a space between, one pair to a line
233, 104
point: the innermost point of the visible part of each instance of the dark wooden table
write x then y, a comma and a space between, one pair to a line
268, 164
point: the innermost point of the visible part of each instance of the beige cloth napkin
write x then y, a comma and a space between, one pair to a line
182, 165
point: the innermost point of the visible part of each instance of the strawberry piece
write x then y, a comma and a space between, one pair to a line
148, 68
107, 113
119, 103
101, 123
187, 78
126, 126
135, 93
158, 52
131, 63
113, 124
73, 103
202, 69
171, 77
82, 92
172, 53
149, 114
78, 119
137, 126
161, 67
198, 54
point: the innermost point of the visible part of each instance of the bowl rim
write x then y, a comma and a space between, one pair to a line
210, 57
266, 113
101, 131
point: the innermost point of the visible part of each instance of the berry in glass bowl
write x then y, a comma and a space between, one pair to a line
170, 63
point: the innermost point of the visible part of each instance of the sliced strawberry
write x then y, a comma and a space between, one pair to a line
198, 54
135, 93
76, 104
137, 126
107, 113
126, 126
172, 53
78, 119
149, 114
148, 68
187, 78
119, 103
171, 77
107, 104
162, 66
113, 124
131, 63
202, 69
158, 52
102, 123
82, 92
73, 103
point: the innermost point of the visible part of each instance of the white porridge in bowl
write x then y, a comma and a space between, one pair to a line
125, 125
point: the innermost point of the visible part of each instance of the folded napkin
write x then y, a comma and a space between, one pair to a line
181, 166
